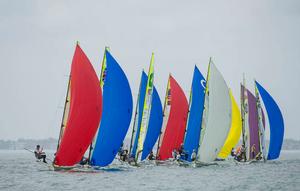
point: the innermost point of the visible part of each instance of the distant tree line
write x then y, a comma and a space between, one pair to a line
51, 143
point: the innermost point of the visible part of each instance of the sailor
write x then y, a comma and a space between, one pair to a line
243, 153
253, 150
193, 155
151, 156
174, 153
83, 161
39, 154
258, 156
124, 155
120, 150
178, 156
233, 154
131, 159
239, 153
182, 152
181, 149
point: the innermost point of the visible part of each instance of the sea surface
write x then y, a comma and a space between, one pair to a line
19, 170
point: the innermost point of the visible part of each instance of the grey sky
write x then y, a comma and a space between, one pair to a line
260, 38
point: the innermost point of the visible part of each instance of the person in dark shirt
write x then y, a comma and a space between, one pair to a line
151, 156
39, 154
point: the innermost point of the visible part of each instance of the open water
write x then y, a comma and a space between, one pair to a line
20, 171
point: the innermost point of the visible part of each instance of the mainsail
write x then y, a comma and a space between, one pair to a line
176, 109
275, 121
155, 121
146, 108
138, 114
149, 111
84, 111
216, 116
117, 111
192, 135
261, 125
154, 126
235, 130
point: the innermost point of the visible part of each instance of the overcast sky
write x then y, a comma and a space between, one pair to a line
37, 41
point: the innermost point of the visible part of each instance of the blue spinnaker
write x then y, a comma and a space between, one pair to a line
116, 116
193, 130
154, 126
275, 122
142, 92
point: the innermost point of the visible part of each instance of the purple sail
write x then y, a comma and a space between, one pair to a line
253, 126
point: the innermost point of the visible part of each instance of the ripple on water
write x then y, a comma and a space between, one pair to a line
19, 171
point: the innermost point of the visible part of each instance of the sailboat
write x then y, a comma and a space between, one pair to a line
196, 106
253, 145
117, 111
82, 112
216, 121
174, 122
275, 122
235, 130
148, 115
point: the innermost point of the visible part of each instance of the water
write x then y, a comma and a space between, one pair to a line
20, 171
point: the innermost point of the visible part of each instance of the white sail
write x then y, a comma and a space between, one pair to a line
216, 116
261, 126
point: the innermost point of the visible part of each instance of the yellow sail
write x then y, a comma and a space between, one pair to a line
147, 107
235, 130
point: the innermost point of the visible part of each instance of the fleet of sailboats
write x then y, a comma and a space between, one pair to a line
201, 130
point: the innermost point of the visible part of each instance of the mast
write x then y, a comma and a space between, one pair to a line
64, 113
103, 67
134, 121
165, 103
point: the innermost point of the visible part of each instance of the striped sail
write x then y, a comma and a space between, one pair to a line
216, 116
235, 130
146, 108
261, 125
139, 114
245, 119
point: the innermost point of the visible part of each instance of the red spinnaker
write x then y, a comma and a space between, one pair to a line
175, 129
85, 111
